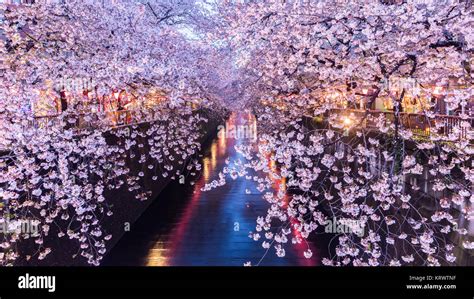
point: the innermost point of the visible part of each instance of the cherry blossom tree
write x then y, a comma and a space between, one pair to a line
305, 64
310, 71
58, 168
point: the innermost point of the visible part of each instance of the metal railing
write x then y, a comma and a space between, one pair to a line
92, 120
420, 124
108, 120
84, 121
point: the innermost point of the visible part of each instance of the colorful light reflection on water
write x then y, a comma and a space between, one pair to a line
188, 227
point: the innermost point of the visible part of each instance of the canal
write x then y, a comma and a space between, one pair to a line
185, 226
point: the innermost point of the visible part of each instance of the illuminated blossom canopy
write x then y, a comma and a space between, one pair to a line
303, 60
298, 65
57, 168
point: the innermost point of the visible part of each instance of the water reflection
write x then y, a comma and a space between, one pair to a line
186, 226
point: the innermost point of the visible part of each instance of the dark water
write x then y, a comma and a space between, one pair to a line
188, 227
185, 226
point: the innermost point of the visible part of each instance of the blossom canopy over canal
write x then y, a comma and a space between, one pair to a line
358, 104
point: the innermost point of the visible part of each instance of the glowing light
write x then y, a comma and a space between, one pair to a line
222, 144
206, 171
157, 255
438, 90
214, 154
347, 121
272, 164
